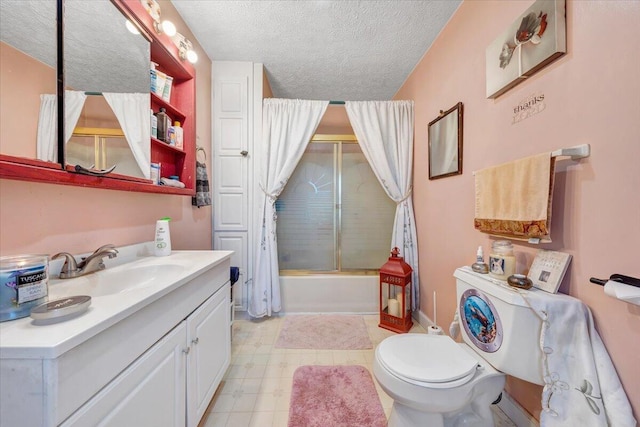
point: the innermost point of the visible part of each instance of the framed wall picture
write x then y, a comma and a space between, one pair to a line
534, 40
445, 143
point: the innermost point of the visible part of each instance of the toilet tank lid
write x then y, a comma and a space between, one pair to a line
496, 288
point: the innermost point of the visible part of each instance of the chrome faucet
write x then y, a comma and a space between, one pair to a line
71, 268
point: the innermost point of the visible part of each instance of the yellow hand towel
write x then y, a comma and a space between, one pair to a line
514, 199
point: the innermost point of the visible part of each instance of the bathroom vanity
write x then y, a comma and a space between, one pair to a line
151, 349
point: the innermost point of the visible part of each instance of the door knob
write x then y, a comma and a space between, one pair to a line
244, 153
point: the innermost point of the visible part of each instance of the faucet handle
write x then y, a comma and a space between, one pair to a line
70, 265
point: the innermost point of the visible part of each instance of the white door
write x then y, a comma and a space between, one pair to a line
231, 152
209, 340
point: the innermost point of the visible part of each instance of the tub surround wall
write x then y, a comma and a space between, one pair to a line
45, 218
591, 96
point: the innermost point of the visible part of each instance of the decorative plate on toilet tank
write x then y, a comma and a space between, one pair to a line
480, 320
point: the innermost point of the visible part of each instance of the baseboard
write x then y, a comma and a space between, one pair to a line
516, 413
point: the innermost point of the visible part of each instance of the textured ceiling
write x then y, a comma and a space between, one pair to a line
330, 50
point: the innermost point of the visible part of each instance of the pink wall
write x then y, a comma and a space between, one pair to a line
335, 121
592, 95
45, 218
21, 78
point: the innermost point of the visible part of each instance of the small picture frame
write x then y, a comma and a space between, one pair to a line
548, 269
445, 143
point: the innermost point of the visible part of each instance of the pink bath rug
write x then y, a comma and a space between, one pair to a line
334, 396
324, 331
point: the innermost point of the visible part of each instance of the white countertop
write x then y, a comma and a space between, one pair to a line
28, 339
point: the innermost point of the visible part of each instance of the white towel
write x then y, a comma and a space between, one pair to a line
582, 387
172, 182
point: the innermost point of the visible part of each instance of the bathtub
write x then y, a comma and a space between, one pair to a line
329, 293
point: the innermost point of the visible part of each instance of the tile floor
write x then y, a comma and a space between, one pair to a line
257, 386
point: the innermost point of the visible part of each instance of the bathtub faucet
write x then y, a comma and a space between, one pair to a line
94, 262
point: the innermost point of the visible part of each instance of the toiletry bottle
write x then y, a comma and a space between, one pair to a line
162, 245
502, 261
163, 124
154, 125
479, 266
179, 135
171, 136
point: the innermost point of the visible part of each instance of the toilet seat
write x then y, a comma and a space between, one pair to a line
434, 361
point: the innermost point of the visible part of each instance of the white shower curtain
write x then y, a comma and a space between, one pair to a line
385, 133
132, 112
47, 136
287, 128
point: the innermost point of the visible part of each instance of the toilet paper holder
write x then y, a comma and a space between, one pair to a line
627, 280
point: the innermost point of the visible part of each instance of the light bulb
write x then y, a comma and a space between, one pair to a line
192, 56
132, 28
168, 28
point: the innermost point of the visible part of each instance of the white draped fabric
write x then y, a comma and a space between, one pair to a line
46, 147
385, 133
132, 112
287, 128
47, 136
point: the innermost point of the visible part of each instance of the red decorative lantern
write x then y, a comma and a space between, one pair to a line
395, 294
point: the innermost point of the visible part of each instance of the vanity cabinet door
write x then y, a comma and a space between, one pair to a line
149, 393
209, 340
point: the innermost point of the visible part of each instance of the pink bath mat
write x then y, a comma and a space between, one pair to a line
324, 331
334, 396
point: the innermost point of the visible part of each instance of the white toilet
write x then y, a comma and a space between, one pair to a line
436, 382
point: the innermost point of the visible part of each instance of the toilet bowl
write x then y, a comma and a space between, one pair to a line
436, 382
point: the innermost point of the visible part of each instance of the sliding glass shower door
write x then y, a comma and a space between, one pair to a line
333, 215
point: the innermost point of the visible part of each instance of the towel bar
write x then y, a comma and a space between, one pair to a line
577, 152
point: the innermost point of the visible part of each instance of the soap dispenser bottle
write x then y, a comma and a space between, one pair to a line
162, 245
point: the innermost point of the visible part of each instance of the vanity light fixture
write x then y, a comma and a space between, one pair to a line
166, 27
185, 48
192, 56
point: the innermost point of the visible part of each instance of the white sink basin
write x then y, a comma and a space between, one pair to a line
126, 278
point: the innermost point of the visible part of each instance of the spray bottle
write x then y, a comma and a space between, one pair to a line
479, 266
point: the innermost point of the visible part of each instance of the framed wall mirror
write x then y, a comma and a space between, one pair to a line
445, 143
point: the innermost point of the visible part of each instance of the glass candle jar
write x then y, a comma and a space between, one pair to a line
502, 261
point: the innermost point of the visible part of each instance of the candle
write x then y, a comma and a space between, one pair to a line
394, 308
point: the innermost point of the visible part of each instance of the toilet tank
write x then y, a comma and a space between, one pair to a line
497, 323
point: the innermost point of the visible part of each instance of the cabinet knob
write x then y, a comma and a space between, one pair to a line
186, 350
195, 341
244, 153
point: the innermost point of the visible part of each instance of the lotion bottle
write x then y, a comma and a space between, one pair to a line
162, 245
179, 135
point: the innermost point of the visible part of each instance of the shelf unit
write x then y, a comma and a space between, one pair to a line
181, 105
